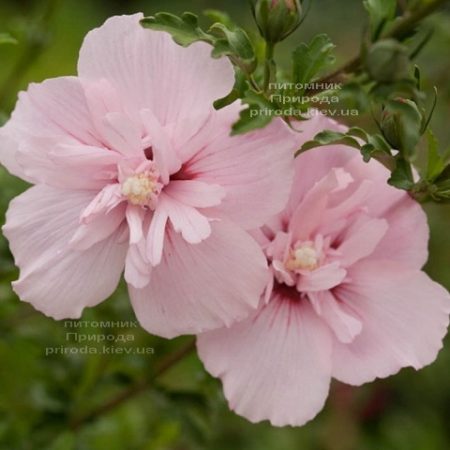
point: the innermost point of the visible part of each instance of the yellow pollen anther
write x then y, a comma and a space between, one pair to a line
304, 257
141, 189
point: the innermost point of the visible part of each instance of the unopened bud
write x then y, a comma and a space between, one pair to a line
401, 124
277, 19
291, 4
388, 61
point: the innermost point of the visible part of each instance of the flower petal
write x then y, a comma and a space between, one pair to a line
406, 239
361, 240
47, 115
204, 286
137, 267
307, 216
345, 325
154, 72
8, 155
275, 365
156, 235
256, 169
325, 277
55, 279
88, 234
195, 193
193, 226
135, 218
405, 316
163, 154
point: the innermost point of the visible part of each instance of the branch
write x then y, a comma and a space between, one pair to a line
399, 30
140, 386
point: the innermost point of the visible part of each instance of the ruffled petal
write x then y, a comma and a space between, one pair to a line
325, 277
193, 226
154, 72
405, 316
361, 240
54, 278
256, 169
204, 286
344, 323
275, 365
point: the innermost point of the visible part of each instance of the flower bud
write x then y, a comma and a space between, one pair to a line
401, 124
277, 19
388, 61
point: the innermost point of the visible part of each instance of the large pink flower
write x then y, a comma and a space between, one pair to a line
347, 298
134, 169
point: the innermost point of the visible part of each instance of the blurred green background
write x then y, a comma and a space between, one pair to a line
46, 382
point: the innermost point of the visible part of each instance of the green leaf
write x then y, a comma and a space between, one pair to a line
427, 121
184, 29
367, 152
238, 91
219, 16
402, 177
259, 113
328, 137
236, 44
359, 133
402, 126
310, 59
6, 38
380, 12
436, 164
380, 143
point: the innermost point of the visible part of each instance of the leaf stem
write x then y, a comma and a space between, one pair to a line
131, 392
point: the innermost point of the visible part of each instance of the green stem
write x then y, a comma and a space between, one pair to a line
268, 65
131, 392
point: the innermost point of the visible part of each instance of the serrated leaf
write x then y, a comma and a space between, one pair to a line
380, 12
236, 44
310, 59
6, 38
375, 144
258, 114
184, 29
329, 137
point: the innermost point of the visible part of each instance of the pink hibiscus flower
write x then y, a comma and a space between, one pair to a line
347, 298
134, 170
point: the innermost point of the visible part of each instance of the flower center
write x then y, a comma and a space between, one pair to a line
142, 189
303, 257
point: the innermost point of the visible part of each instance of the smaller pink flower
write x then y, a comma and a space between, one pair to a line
347, 298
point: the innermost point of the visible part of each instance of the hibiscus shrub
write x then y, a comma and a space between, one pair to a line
262, 221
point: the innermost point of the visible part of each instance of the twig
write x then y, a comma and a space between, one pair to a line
399, 30
131, 392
